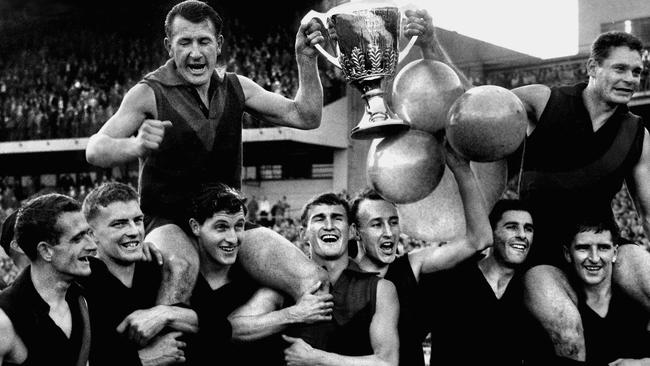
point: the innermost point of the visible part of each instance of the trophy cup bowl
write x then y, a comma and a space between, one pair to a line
367, 35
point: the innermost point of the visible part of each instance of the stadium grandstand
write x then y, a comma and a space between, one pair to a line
65, 66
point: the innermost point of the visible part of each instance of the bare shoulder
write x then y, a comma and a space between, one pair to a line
386, 289
249, 87
535, 95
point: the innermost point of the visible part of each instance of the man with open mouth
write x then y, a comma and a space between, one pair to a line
43, 316
375, 223
363, 329
187, 120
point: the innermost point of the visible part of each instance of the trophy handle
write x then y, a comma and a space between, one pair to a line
322, 18
405, 51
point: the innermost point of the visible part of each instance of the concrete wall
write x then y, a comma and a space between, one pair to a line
297, 191
592, 13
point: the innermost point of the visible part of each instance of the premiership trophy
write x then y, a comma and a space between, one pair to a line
367, 48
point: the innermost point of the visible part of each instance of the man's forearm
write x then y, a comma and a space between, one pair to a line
322, 358
250, 328
106, 151
477, 224
309, 97
182, 319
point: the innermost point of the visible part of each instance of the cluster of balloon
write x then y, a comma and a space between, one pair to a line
487, 123
407, 167
484, 125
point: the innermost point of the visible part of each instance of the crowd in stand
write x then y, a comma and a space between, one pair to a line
67, 83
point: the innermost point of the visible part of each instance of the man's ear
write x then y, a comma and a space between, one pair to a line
194, 225
567, 253
45, 251
219, 44
353, 232
168, 46
615, 253
591, 67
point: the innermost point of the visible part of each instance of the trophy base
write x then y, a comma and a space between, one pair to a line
367, 130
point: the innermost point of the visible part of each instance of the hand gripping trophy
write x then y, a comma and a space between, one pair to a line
367, 49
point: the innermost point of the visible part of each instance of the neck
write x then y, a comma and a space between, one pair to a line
599, 111
123, 272
496, 274
214, 273
368, 265
49, 284
334, 267
598, 296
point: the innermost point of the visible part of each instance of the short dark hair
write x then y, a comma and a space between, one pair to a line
194, 11
37, 221
602, 46
365, 194
504, 205
106, 194
329, 199
214, 198
7, 235
595, 223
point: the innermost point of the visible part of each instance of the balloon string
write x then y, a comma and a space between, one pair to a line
521, 168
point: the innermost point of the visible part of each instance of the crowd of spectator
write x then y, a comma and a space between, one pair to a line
67, 83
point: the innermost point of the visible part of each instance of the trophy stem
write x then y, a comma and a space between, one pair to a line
377, 122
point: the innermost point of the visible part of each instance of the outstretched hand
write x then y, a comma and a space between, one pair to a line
420, 24
308, 36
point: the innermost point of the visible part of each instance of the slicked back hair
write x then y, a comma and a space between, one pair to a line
214, 198
37, 221
603, 45
194, 11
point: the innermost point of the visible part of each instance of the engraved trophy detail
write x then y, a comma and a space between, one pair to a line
367, 47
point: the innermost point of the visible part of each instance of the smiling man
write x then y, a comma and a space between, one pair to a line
43, 317
614, 325
582, 144
187, 120
363, 329
122, 288
476, 308
376, 227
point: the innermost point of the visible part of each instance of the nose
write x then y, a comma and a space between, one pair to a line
133, 229
594, 257
329, 223
195, 50
90, 244
386, 230
231, 236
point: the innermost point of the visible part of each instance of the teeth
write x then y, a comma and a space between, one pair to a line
519, 246
227, 249
329, 238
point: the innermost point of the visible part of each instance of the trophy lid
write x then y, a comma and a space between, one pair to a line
355, 6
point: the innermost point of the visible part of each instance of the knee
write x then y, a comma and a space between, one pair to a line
547, 290
181, 264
